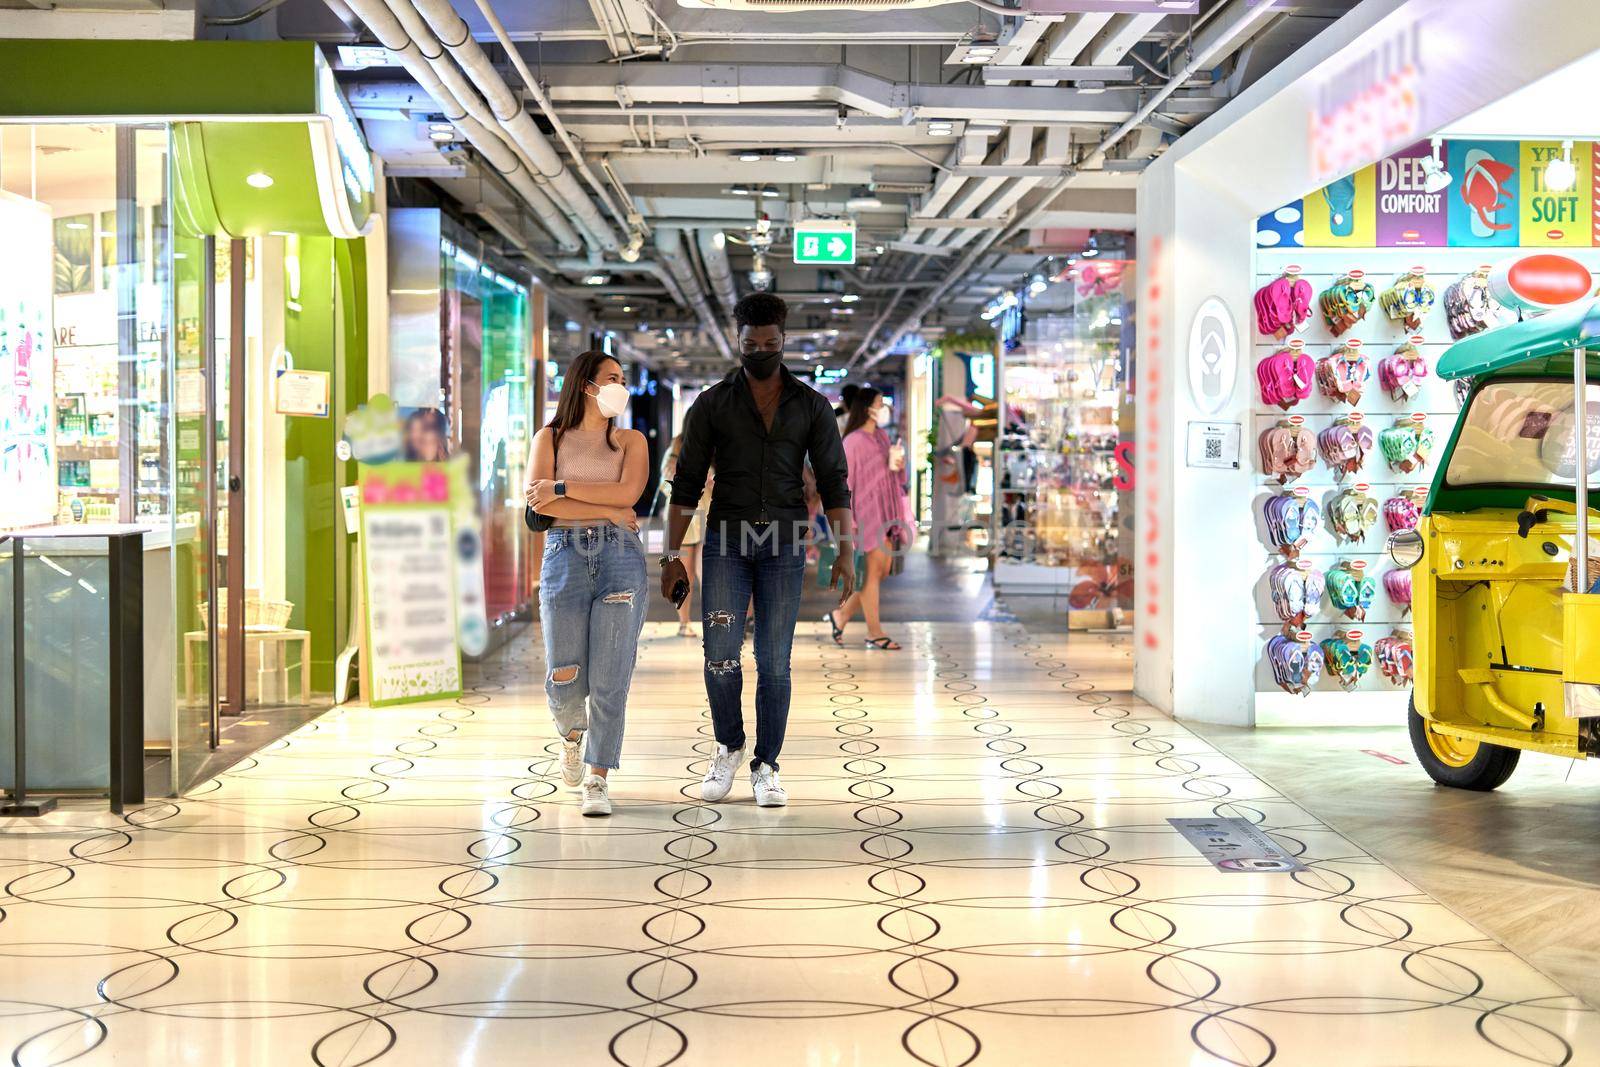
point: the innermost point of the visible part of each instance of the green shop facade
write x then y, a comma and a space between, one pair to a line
183, 329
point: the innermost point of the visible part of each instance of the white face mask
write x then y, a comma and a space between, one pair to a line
611, 399
882, 416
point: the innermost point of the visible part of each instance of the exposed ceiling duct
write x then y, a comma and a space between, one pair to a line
714, 253
456, 36
392, 35
669, 243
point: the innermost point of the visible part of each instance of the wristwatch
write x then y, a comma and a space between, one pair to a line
666, 558
561, 488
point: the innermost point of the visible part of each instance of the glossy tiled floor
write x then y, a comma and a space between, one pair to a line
976, 866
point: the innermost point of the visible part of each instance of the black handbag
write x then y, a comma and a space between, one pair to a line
536, 522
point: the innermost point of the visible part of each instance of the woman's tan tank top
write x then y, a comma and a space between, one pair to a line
584, 457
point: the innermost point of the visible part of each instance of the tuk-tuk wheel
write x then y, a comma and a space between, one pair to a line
1456, 761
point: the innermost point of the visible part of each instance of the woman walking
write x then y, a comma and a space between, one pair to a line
879, 506
692, 539
587, 475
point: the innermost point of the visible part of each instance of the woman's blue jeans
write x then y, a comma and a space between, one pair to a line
592, 601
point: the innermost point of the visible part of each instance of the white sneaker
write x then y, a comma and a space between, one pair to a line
596, 795
718, 781
769, 791
572, 761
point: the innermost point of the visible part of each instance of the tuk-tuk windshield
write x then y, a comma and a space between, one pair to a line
1522, 433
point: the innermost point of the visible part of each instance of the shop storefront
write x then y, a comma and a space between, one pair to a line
185, 314
1292, 320
466, 354
1062, 494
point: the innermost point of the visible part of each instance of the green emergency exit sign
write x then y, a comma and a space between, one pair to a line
825, 241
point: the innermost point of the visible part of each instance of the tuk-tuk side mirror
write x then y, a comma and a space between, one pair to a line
1405, 548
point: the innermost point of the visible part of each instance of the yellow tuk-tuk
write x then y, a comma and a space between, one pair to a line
1507, 609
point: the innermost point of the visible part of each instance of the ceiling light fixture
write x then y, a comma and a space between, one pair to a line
740, 190
750, 157
596, 279
849, 298
770, 192
259, 180
785, 157
1037, 284
1435, 178
1560, 175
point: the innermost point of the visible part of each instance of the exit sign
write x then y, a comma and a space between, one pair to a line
825, 241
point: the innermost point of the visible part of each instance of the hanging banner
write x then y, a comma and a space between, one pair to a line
1409, 216
1485, 178
409, 576
1556, 218
1343, 214
27, 369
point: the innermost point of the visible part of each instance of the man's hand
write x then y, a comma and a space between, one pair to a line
542, 493
673, 573
844, 572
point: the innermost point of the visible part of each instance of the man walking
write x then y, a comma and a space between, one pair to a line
758, 425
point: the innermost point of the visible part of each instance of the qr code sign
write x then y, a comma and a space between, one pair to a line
1213, 448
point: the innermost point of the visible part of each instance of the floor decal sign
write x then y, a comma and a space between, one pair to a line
1236, 846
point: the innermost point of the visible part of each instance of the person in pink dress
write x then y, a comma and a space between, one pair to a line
882, 516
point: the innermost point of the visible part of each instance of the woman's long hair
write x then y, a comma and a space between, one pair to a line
570, 406
860, 409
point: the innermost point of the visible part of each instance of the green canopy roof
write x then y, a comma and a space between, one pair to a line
1555, 333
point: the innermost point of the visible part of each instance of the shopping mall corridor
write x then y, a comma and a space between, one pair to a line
976, 866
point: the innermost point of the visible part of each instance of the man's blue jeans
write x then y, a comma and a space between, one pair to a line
737, 564
591, 608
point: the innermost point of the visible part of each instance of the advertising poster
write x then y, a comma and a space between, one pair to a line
408, 556
1283, 228
1484, 193
1409, 216
27, 369
1343, 214
1556, 218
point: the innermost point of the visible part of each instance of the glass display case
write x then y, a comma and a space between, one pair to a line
1064, 461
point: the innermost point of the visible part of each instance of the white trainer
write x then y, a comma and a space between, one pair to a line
769, 791
718, 781
572, 761
596, 795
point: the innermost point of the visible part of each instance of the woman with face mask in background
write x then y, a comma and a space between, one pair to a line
878, 503
587, 475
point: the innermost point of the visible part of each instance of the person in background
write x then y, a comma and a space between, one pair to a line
842, 411
427, 436
878, 504
692, 538
759, 425
588, 474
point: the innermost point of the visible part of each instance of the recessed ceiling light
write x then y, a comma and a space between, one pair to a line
750, 157
849, 298
259, 180
785, 157
441, 136
740, 190
770, 193
627, 307
596, 279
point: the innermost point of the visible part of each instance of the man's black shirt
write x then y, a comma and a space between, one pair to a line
760, 471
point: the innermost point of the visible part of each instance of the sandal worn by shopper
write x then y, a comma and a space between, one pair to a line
886, 643
838, 631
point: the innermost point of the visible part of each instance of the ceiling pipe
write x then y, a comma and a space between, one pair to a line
669, 243
630, 219
386, 27
714, 253
453, 32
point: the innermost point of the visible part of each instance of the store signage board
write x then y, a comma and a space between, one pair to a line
1371, 105
1215, 444
825, 241
407, 552
27, 367
1213, 356
303, 392
1539, 282
1236, 846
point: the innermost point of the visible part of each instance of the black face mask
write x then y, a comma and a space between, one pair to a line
760, 365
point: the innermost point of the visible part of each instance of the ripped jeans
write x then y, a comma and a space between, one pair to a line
592, 601
735, 572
